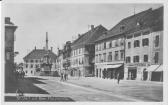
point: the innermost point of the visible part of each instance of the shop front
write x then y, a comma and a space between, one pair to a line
132, 73
111, 71
155, 73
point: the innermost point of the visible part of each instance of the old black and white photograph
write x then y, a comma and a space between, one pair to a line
83, 52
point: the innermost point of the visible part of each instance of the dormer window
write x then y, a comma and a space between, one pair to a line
122, 28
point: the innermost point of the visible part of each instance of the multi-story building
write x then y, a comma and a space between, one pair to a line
129, 47
109, 56
82, 54
66, 56
144, 47
59, 62
10, 28
40, 61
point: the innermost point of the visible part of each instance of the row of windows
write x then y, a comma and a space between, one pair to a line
110, 44
77, 51
77, 61
138, 34
32, 66
145, 42
145, 58
136, 59
33, 60
104, 57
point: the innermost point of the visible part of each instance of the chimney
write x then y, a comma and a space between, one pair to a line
35, 48
51, 49
79, 35
92, 27
7, 19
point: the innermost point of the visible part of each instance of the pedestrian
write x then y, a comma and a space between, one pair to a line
61, 77
118, 78
17, 75
79, 74
65, 76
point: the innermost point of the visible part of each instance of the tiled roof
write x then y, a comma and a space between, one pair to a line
39, 53
146, 19
89, 37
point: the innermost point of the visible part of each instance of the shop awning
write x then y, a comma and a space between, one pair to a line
113, 66
72, 69
152, 67
159, 69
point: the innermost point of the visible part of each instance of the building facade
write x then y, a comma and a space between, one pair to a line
133, 48
83, 52
144, 48
40, 61
109, 57
10, 29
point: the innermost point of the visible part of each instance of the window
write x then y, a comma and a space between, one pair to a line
136, 58
145, 32
116, 55
100, 60
122, 28
31, 66
104, 57
157, 41
26, 65
156, 57
36, 61
110, 57
26, 61
145, 58
137, 34
129, 45
122, 42
122, 54
96, 47
129, 36
145, 42
83, 61
136, 43
110, 44
31, 61
31, 72
26, 71
37, 66
104, 47
116, 43
128, 59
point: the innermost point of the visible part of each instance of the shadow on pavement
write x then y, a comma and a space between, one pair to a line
26, 85
37, 99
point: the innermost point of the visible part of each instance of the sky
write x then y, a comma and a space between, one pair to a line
63, 22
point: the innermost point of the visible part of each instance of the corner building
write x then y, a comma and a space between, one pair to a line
144, 47
83, 52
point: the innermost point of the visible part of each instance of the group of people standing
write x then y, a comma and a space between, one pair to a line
19, 74
64, 77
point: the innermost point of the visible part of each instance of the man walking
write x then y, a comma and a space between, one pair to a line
118, 78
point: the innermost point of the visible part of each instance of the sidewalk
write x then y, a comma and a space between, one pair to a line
26, 85
144, 90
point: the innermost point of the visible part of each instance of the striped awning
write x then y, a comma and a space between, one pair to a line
159, 69
152, 67
113, 66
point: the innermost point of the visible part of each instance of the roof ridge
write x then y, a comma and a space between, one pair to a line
86, 33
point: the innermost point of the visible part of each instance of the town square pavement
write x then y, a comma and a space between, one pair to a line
95, 89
